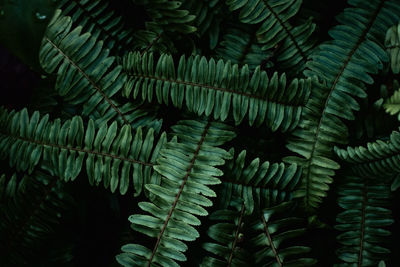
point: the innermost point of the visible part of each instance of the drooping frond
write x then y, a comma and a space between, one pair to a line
362, 223
227, 234
28, 223
86, 73
240, 46
188, 169
217, 88
345, 64
380, 158
96, 17
259, 185
294, 42
111, 155
169, 15
272, 243
392, 104
392, 44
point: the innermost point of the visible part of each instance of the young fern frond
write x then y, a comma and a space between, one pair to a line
380, 158
240, 46
272, 232
96, 17
112, 155
188, 169
345, 64
392, 104
228, 234
29, 219
217, 88
86, 73
276, 31
259, 185
392, 44
364, 219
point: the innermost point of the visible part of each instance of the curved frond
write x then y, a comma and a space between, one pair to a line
294, 42
345, 64
217, 88
111, 155
364, 219
96, 17
392, 44
273, 231
86, 73
260, 185
29, 221
188, 169
380, 158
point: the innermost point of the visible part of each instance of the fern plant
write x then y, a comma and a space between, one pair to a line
223, 133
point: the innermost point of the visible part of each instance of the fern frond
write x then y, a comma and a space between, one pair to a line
345, 64
364, 219
392, 44
29, 220
96, 17
259, 185
240, 46
168, 15
187, 168
112, 155
8, 187
294, 42
86, 73
272, 232
228, 233
217, 88
380, 158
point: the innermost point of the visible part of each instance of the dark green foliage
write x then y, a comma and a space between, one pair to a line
364, 220
29, 220
217, 127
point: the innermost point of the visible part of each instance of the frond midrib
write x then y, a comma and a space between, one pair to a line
267, 233
225, 90
87, 151
236, 234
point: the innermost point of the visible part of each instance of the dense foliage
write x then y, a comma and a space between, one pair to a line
200, 133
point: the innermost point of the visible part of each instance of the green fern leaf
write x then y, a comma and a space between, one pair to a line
272, 232
96, 17
378, 158
217, 88
276, 31
112, 155
392, 104
364, 219
345, 64
187, 168
392, 44
85, 71
259, 185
